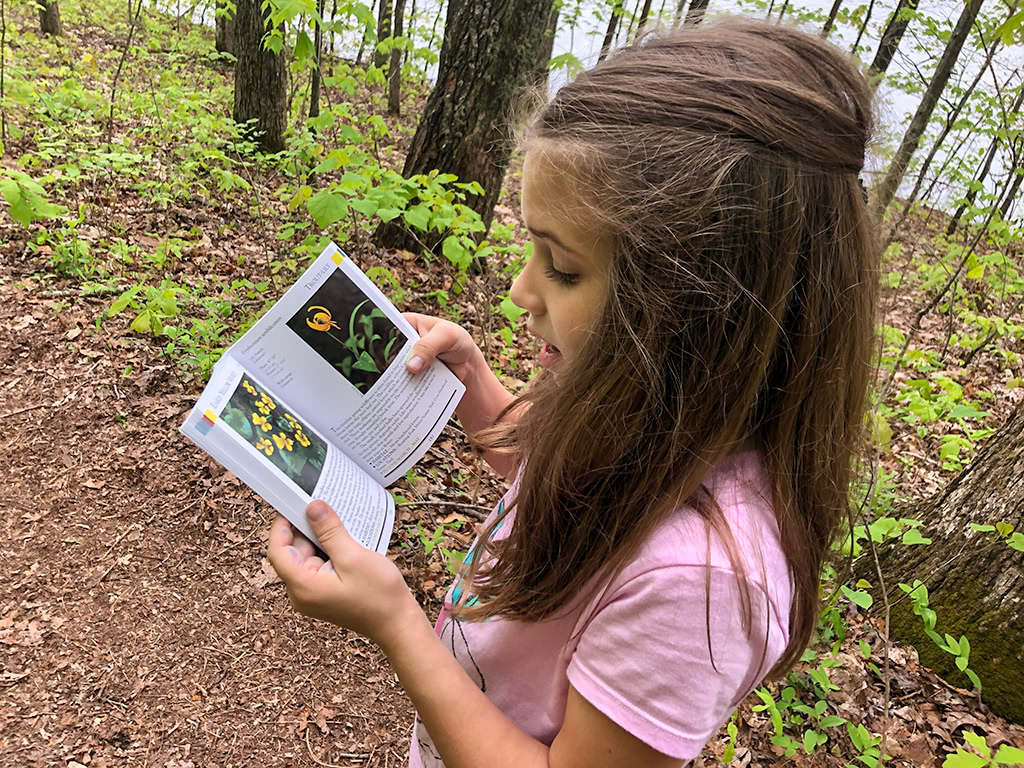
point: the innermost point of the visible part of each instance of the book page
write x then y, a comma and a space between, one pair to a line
245, 426
335, 347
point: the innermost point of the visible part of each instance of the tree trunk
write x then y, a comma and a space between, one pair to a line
1011, 193
383, 31
49, 18
975, 580
950, 121
609, 34
546, 47
225, 29
395, 66
695, 13
863, 27
632, 21
679, 14
887, 189
489, 53
261, 80
831, 20
317, 75
891, 37
643, 17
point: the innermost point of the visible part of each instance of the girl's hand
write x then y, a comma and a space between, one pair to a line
357, 589
447, 342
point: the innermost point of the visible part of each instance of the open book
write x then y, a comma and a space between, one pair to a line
314, 402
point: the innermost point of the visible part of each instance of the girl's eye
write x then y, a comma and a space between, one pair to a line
563, 278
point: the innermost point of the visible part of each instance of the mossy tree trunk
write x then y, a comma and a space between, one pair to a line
489, 53
49, 18
975, 580
261, 82
225, 29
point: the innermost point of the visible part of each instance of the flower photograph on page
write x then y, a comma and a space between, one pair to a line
345, 327
276, 434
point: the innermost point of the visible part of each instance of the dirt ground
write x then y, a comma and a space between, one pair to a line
140, 623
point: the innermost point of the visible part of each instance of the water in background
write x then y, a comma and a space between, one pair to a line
581, 31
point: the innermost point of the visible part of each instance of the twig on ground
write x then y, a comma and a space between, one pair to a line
479, 511
346, 755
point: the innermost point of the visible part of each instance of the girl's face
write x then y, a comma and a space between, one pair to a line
564, 284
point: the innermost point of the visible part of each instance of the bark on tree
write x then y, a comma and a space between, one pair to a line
831, 20
261, 82
383, 31
1011, 193
679, 14
644, 14
546, 47
609, 34
886, 191
950, 121
395, 65
975, 581
489, 53
316, 75
49, 18
225, 29
891, 36
695, 13
863, 27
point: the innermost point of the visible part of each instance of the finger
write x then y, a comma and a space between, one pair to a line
442, 340
304, 545
281, 552
312, 564
334, 539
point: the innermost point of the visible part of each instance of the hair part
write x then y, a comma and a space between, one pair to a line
740, 310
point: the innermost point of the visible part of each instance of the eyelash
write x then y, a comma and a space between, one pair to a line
563, 278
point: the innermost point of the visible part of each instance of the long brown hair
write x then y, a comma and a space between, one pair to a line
724, 159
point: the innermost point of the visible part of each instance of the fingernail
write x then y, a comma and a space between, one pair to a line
414, 364
316, 511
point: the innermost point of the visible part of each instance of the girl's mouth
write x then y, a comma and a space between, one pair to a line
549, 355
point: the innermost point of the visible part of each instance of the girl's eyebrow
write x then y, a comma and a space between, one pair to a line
553, 238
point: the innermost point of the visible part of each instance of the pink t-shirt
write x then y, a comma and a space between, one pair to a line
638, 651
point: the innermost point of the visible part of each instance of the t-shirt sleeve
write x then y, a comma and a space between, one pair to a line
643, 657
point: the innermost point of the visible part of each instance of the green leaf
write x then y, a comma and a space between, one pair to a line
831, 721
303, 46
123, 300
366, 206
387, 214
862, 599
863, 584
810, 740
978, 742
327, 207
963, 759
365, 363
982, 528
510, 310
418, 217
1004, 529
913, 536
964, 411
1007, 755
1016, 541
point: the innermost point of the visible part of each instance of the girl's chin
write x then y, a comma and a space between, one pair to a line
549, 355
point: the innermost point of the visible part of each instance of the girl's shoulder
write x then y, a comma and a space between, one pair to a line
749, 540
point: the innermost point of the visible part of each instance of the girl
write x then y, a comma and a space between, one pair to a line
702, 284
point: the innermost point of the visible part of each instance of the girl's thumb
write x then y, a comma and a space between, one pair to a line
327, 526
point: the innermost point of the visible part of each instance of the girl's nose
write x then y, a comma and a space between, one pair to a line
523, 293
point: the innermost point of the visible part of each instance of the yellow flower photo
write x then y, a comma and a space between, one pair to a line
276, 434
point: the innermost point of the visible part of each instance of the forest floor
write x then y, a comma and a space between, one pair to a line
140, 621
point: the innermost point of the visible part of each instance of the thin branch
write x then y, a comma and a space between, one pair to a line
132, 23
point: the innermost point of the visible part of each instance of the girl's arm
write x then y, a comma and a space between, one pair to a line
365, 592
485, 396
